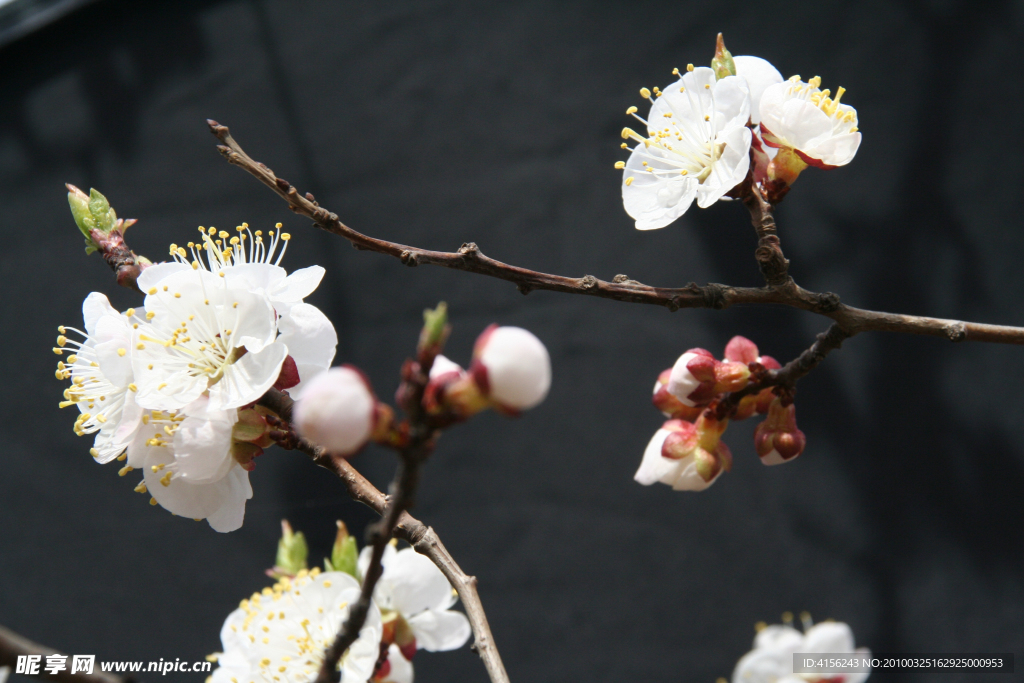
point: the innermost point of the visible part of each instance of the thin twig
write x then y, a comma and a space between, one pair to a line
13, 646
781, 290
420, 536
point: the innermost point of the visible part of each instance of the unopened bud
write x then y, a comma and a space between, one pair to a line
669, 405
731, 376
337, 411
289, 375
741, 350
511, 367
443, 374
777, 439
722, 62
766, 396
692, 379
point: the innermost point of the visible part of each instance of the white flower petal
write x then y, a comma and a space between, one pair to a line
311, 341
202, 443
653, 466
778, 637
438, 631
416, 584
94, 307
828, 636
759, 74
729, 170
248, 378
762, 666
401, 668
297, 286
153, 275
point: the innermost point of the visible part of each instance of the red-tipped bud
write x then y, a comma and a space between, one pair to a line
443, 373
777, 439
511, 367
337, 411
692, 379
731, 376
669, 405
741, 350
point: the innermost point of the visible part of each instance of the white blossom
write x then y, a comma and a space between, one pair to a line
681, 474
187, 464
413, 593
337, 411
281, 634
512, 367
697, 147
100, 371
771, 660
214, 323
800, 116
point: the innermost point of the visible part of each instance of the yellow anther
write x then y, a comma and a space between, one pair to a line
707, 117
689, 67
122, 457
707, 86
675, 72
631, 110
72, 358
133, 386
285, 235
212, 231
618, 164
152, 501
94, 453
62, 340
152, 290
150, 315
122, 352
166, 479
839, 94
278, 226
157, 468
124, 470
629, 181
100, 418
645, 93
141, 488
177, 295
814, 82
58, 351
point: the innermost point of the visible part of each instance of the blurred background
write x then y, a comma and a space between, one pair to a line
436, 123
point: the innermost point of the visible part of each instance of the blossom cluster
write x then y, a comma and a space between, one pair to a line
170, 386
715, 128
687, 452
282, 632
771, 660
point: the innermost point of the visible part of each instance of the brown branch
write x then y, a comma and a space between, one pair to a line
420, 536
13, 646
786, 377
781, 290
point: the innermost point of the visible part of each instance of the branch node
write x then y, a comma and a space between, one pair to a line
672, 304
470, 250
714, 295
620, 278
524, 288
957, 332
409, 258
828, 302
589, 282
283, 184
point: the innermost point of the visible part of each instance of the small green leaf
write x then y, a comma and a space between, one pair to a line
435, 327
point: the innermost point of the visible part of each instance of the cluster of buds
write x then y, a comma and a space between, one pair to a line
510, 372
687, 452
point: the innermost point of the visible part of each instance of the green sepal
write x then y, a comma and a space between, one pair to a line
722, 62
292, 551
344, 555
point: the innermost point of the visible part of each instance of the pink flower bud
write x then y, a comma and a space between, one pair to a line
777, 439
443, 374
511, 367
669, 405
741, 350
337, 411
692, 380
731, 376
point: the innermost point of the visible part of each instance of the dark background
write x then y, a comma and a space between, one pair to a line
435, 123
